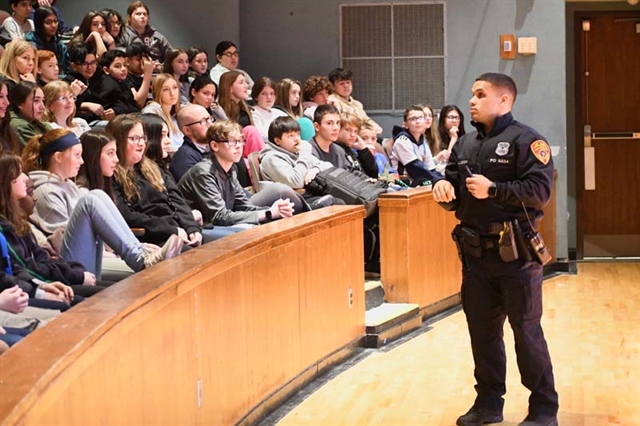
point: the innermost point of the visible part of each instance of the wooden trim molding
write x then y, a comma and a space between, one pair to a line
205, 338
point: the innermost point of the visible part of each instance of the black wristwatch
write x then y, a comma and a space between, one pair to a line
493, 190
268, 216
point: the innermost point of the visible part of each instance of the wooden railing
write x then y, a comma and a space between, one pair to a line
215, 336
419, 262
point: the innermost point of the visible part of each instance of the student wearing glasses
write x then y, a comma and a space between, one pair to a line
45, 36
212, 186
60, 108
145, 195
115, 27
228, 56
450, 126
410, 153
84, 66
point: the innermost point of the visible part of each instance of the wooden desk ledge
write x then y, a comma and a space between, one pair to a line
35, 365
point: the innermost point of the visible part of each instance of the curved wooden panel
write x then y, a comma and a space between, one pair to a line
204, 338
419, 260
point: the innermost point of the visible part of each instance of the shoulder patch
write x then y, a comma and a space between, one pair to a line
541, 150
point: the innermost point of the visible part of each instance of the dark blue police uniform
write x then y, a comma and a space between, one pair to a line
518, 160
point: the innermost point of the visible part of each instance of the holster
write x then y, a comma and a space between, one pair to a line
468, 242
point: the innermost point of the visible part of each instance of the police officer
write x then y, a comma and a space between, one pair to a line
493, 175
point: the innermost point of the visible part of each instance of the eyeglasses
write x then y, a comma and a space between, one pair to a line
453, 117
137, 140
117, 24
88, 64
234, 143
231, 54
202, 121
51, 22
417, 119
66, 98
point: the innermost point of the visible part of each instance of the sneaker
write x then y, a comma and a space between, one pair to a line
478, 417
539, 420
170, 249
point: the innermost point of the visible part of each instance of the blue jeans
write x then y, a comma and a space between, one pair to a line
95, 220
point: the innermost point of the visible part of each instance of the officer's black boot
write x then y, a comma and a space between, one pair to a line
539, 420
478, 417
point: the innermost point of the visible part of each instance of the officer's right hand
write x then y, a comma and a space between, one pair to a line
443, 191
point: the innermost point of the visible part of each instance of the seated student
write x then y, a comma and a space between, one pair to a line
84, 68
263, 112
327, 125
19, 61
93, 31
18, 24
145, 195
370, 139
60, 108
45, 36
316, 93
115, 26
288, 97
198, 62
138, 31
27, 103
47, 70
228, 56
450, 126
340, 78
288, 160
88, 218
177, 64
115, 93
203, 91
8, 139
359, 156
431, 134
234, 90
166, 104
140, 68
410, 153
212, 187
27, 258
158, 142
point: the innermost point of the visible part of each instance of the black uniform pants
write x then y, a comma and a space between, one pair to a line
493, 290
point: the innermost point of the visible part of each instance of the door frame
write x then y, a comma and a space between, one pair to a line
579, 113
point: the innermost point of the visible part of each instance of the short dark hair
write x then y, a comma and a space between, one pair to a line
137, 49
198, 83
223, 46
109, 56
323, 110
78, 52
282, 125
339, 74
501, 81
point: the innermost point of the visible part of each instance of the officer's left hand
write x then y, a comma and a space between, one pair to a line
478, 186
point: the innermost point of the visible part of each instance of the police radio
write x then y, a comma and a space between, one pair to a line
535, 242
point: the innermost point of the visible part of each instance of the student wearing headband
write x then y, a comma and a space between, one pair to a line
89, 218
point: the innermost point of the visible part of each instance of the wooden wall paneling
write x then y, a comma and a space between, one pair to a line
419, 260
229, 314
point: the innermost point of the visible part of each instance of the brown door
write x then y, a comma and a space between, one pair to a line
608, 156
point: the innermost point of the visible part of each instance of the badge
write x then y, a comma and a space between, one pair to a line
541, 150
503, 148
